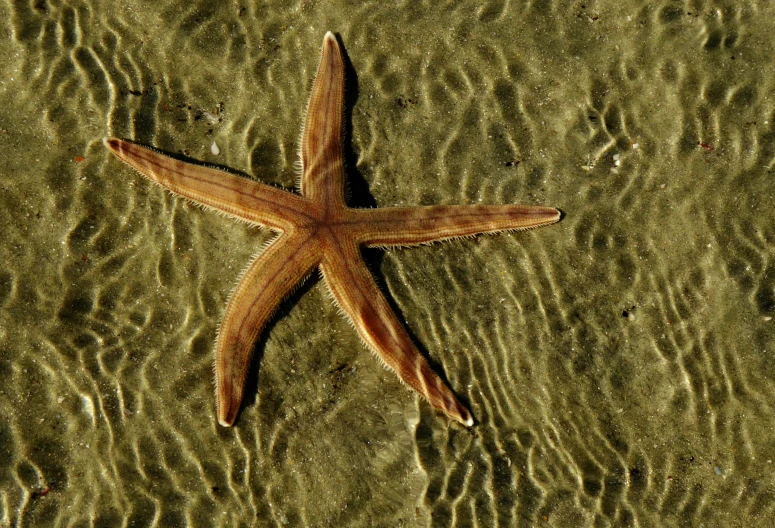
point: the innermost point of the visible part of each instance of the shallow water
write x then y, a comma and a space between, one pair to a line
619, 364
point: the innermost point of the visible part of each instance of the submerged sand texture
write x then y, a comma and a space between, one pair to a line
618, 364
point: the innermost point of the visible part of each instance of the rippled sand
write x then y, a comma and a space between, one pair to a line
619, 364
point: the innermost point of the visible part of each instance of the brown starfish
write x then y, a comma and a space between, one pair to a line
317, 229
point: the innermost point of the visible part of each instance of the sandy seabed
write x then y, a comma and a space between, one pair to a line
619, 364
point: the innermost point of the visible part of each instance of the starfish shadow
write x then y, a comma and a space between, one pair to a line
283, 309
361, 197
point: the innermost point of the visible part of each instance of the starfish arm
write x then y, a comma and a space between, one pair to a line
358, 296
322, 177
228, 193
408, 226
269, 279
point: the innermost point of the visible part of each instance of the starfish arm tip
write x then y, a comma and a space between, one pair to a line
228, 404
226, 417
462, 415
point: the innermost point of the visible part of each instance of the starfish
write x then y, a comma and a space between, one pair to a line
318, 230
